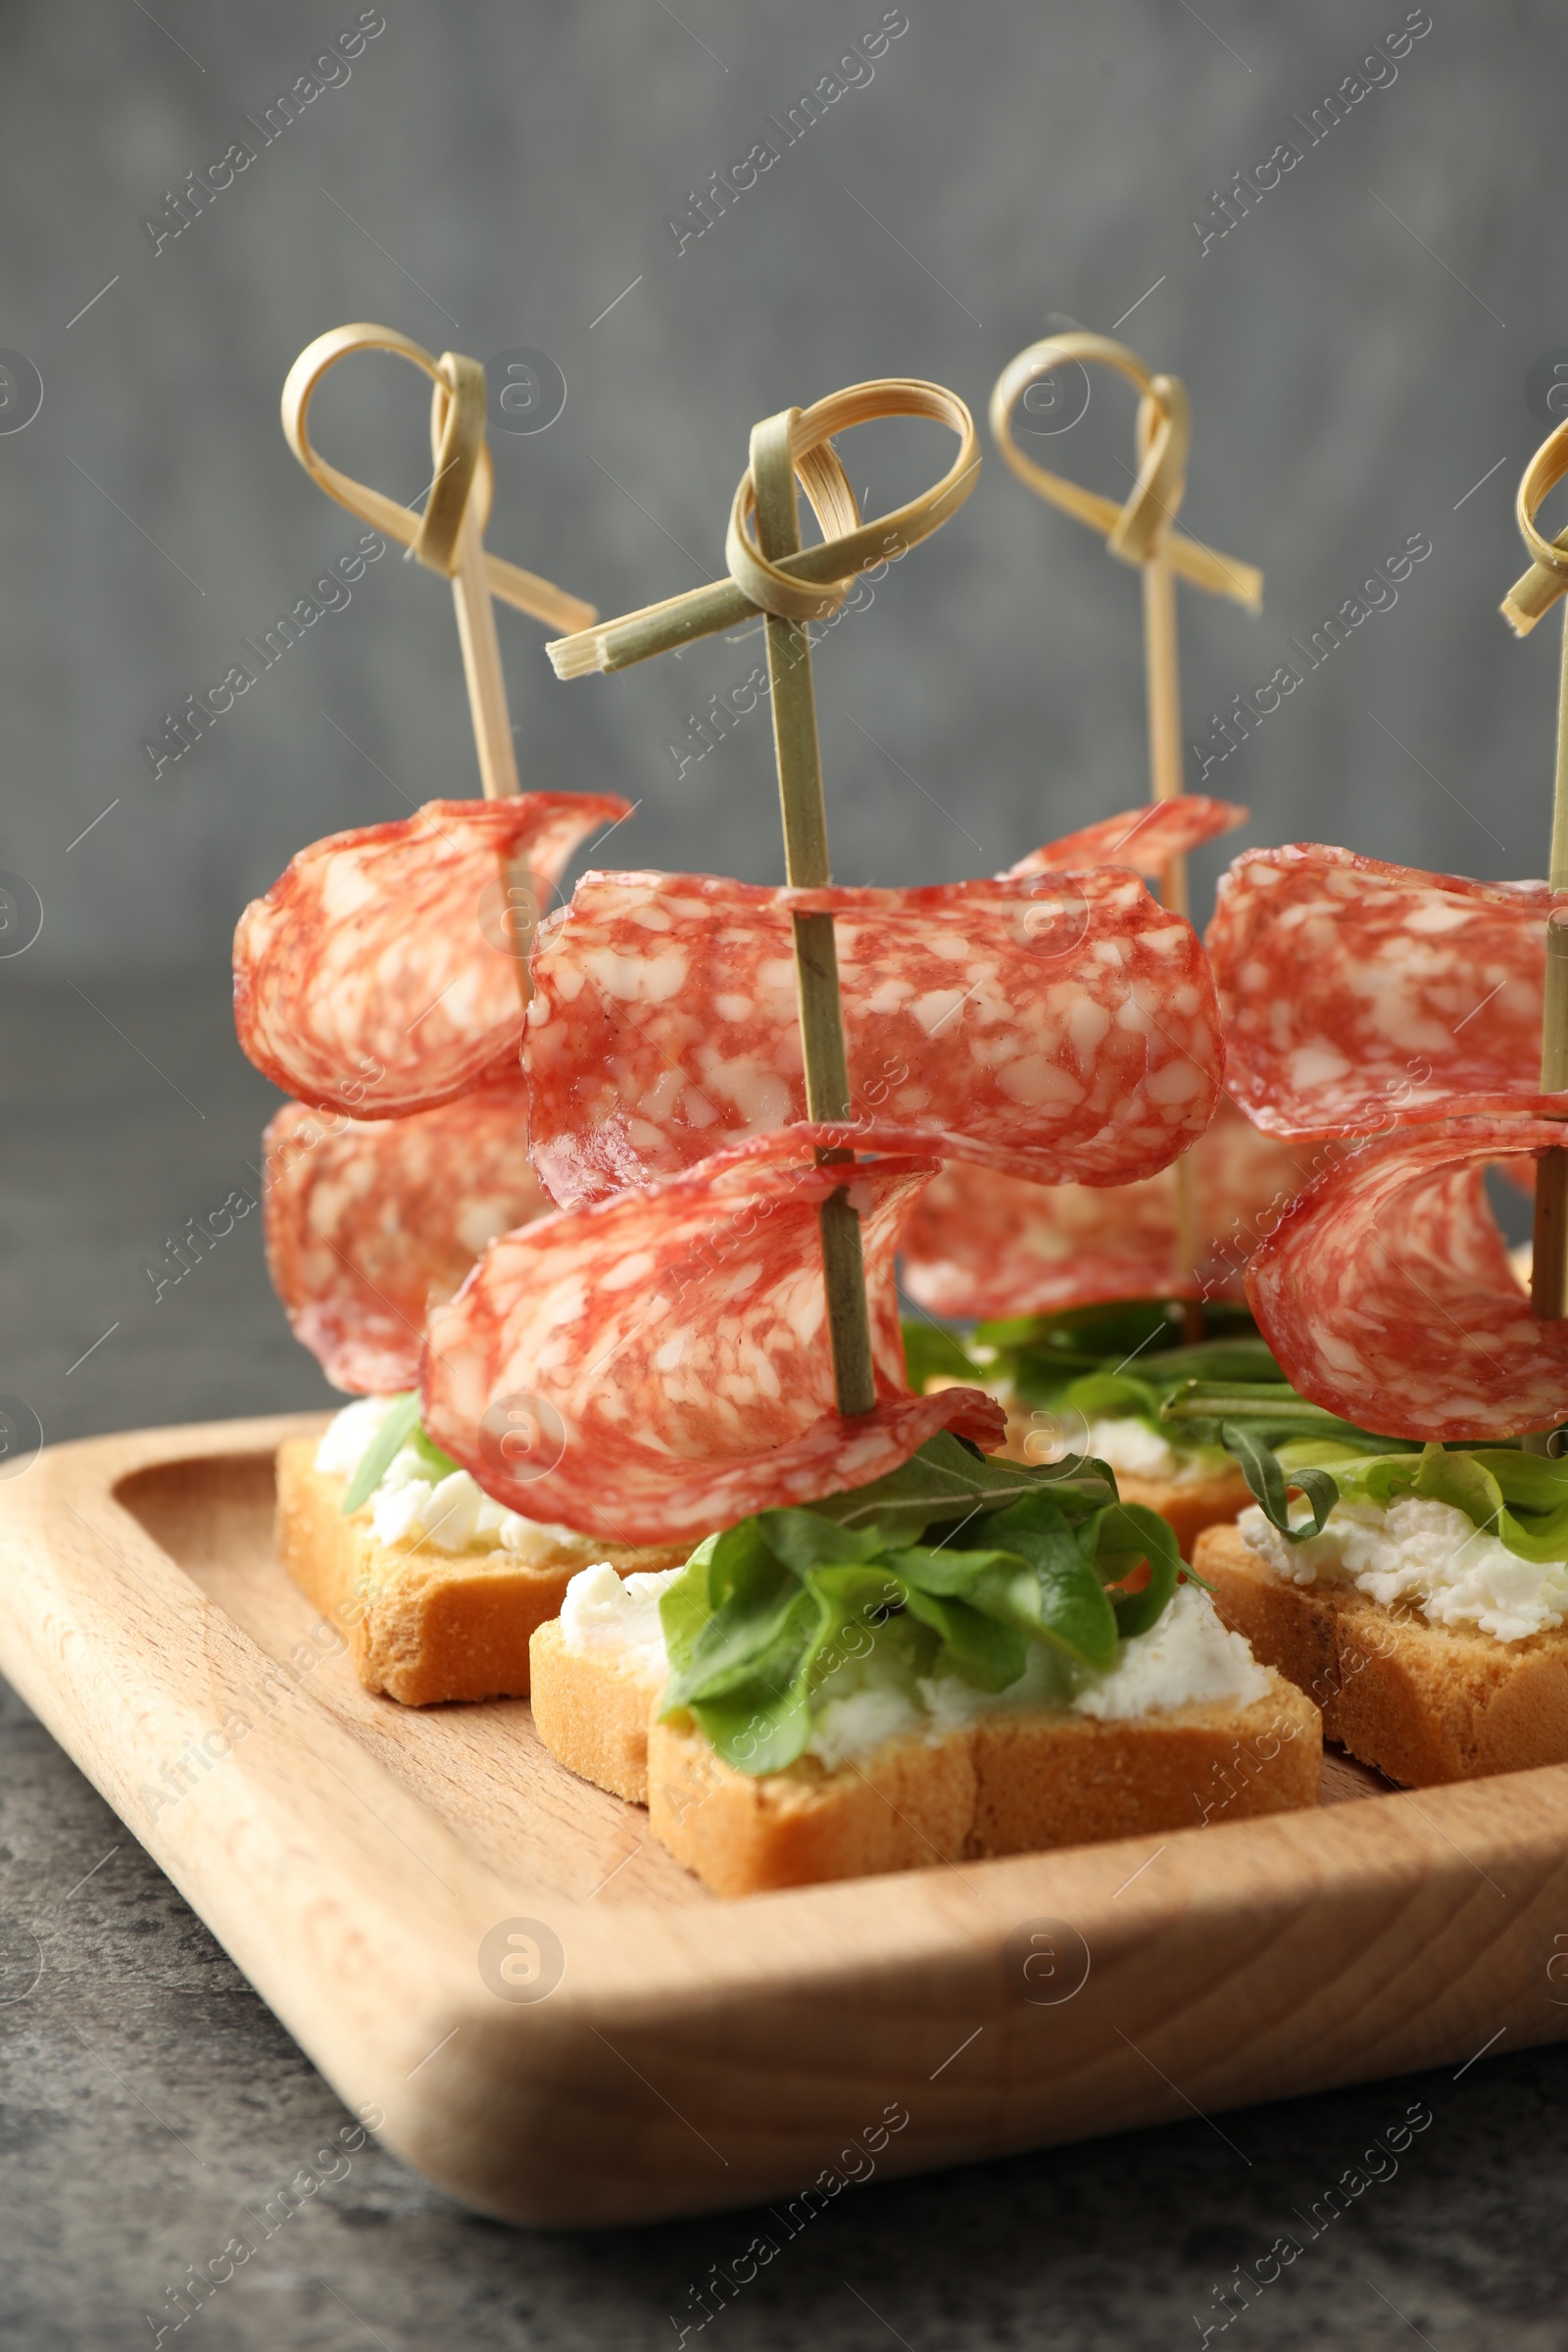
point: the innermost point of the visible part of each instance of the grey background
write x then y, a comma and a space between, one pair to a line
493, 177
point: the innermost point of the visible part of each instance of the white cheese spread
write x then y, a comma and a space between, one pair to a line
350, 1434
616, 1618
1132, 1447
414, 1506
1188, 1658
1127, 1444
1431, 1554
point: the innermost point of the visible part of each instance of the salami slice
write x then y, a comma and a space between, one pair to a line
1387, 1293
1360, 998
1146, 839
1060, 1027
981, 1245
655, 1366
376, 976
370, 1220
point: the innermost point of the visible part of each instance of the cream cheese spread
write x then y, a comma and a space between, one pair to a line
1429, 1554
1188, 1658
414, 1506
617, 1617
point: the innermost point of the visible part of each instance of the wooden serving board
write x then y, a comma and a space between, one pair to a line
400, 1887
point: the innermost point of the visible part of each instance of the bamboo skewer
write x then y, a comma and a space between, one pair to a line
448, 538
1143, 531
1548, 1275
1526, 603
475, 610
792, 587
1164, 695
806, 865
457, 410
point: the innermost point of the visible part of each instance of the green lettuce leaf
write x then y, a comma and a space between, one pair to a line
757, 1729
754, 1606
1112, 1397
991, 1653
953, 1557
390, 1439
1266, 1482
432, 1455
949, 1480
684, 1607
757, 1710
1520, 1497
1056, 1596
805, 1539
851, 1603
1124, 1534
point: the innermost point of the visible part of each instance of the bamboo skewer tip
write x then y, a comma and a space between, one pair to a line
579, 656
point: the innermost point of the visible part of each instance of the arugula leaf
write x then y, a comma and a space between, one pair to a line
429, 1451
760, 1610
853, 1602
757, 1729
991, 1653
804, 1541
1272, 1410
1038, 1353
946, 1481
1520, 1497
684, 1607
754, 1706
766, 1613
1125, 1534
1266, 1480
389, 1441
1057, 1597
1115, 1330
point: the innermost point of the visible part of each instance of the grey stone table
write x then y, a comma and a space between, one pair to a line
152, 2107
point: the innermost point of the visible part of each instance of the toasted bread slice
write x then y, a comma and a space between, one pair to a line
1424, 1703
1012, 1782
424, 1625
593, 1713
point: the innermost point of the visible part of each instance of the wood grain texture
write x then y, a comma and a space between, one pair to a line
695, 2054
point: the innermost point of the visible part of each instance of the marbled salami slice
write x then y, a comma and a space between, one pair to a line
1387, 1293
981, 1245
375, 977
369, 1221
1060, 1027
1146, 839
657, 1365
1360, 998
